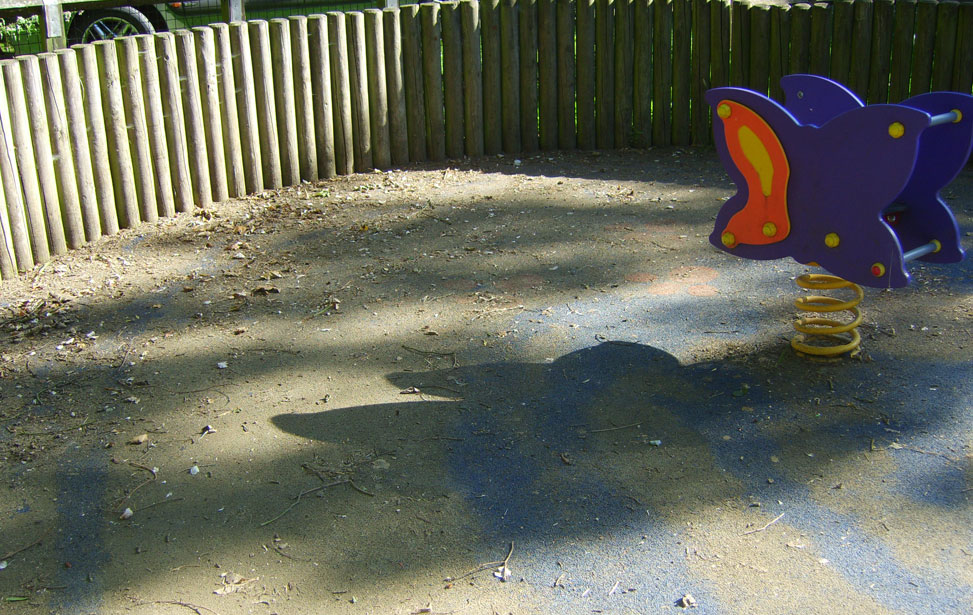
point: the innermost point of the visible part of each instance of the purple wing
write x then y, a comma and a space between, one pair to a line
816, 100
920, 214
845, 176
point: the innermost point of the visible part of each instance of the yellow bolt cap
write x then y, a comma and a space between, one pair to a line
723, 110
896, 130
832, 240
770, 229
729, 239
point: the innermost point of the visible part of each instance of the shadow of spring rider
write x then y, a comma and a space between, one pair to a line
832, 182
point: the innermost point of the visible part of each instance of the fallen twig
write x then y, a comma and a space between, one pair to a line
359, 489
151, 471
86, 423
22, 549
288, 556
614, 428
298, 497
760, 529
436, 386
318, 473
433, 353
198, 609
129, 495
159, 502
896, 445
485, 566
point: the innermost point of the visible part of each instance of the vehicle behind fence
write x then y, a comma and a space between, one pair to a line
87, 21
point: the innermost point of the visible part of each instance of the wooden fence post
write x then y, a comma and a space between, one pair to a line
64, 167
320, 55
283, 83
344, 145
412, 81
304, 99
246, 104
192, 106
13, 215
138, 134
492, 87
43, 156
8, 266
17, 251
226, 81
432, 74
587, 128
155, 124
566, 81
642, 74
962, 75
527, 33
605, 73
175, 121
662, 72
510, 77
395, 89
799, 60
902, 37
682, 70
263, 83
378, 101
116, 128
701, 133
547, 73
212, 123
922, 47
759, 49
821, 40
360, 111
472, 78
452, 79
843, 29
739, 42
881, 52
779, 36
861, 45
624, 72
945, 48
101, 167
719, 50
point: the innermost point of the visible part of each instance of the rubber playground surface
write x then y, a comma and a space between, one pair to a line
508, 386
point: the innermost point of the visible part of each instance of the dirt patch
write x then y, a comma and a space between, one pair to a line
506, 386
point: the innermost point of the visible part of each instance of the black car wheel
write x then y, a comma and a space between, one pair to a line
103, 24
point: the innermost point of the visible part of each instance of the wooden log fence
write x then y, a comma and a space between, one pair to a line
107, 136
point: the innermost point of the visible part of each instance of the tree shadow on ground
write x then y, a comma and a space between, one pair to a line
575, 457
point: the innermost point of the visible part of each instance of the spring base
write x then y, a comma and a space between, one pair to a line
822, 336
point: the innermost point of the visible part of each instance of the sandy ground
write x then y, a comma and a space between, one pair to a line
508, 386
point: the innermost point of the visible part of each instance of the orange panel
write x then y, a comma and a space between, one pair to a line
757, 153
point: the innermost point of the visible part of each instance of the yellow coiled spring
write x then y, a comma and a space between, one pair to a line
834, 336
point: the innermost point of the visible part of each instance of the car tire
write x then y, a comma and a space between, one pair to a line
102, 24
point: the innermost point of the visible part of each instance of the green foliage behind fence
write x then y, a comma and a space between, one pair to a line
106, 136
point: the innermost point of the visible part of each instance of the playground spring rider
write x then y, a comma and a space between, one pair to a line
832, 182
